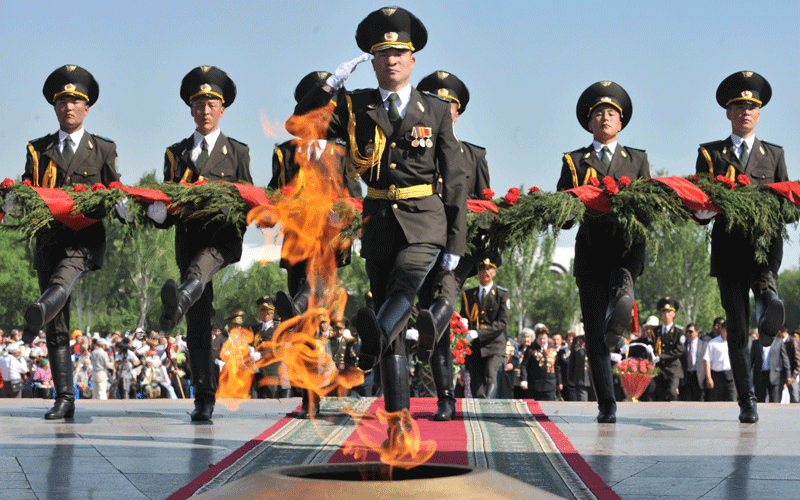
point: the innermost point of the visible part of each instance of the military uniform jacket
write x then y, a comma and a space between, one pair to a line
229, 161
285, 168
95, 161
670, 347
731, 252
596, 250
578, 366
388, 161
477, 170
489, 319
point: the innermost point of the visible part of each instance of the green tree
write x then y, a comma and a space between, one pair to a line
18, 282
234, 289
789, 292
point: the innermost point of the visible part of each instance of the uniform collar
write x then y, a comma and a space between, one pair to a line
75, 136
211, 139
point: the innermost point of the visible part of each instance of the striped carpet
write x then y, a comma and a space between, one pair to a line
513, 437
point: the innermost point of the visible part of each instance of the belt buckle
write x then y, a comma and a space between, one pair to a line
391, 193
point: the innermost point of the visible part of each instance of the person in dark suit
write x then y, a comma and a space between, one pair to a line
202, 249
604, 269
401, 142
793, 351
486, 308
770, 369
440, 289
68, 157
743, 94
578, 374
268, 379
669, 348
694, 366
538, 368
326, 159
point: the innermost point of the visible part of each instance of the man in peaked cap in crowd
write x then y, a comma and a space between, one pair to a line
400, 141
733, 262
438, 294
202, 249
288, 158
69, 156
670, 347
605, 270
273, 385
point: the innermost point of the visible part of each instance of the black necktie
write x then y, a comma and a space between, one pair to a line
394, 112
745, 154
68, 153
605, 156
203, 158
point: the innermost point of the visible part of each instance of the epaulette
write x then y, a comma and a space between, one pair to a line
501, 288
237, 142
43, 138
635, 149
429, 94
474, 145
712, 143
772, 144
102, 138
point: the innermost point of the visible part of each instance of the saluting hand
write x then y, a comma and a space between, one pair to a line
336, 80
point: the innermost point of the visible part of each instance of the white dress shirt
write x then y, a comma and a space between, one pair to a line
75, 137
737, 144
598, 148
211, 139
717, 354
402, 104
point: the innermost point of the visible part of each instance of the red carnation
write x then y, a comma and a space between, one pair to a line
460, 360
510, 198
643, 369
624, 181
534, 189
184, 183
27, 182
97, 187
200, 182
115, 185
694, 178
743, 179
286, 190
7, 183
728, 182
455, 353
594, 182
79, 188
514, 191
720, 178
487, 194
611, 186
468, 351
451, 337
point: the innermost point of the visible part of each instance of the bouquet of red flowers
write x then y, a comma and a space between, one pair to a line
458, 340
635, 375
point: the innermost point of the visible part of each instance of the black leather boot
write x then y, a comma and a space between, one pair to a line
743, 378
203, 383
620, 307
176, 300
600, 366
771, 316
61, 367
376, 331
288, 307
397, 397
491, 391
43, 311
442, 371
309, 409
432, 323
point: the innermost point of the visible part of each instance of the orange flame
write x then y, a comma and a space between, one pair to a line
236, 376
311, 229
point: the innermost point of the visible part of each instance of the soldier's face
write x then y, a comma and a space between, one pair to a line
454, 111
486, 275
265, 314
71, 111
206, 113
605, 123
393, 68
744, 117
667, 316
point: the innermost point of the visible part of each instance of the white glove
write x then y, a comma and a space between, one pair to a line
704, 214
122, 209
616, 357
412, 334
472, 335
157, 211
623, 349
254, 355
523, 385
465, 323
450, 261
219, 363
656, 359
336, 80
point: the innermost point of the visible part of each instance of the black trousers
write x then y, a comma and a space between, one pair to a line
724, 388
765, 387
483, 372
691, 391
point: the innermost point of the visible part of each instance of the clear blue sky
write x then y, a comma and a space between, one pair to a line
525, 64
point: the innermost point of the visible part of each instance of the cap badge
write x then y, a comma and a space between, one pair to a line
388, 11
321, 74
747, 74
442, 74
605, 99
390, 36
70, 67
747, 93
443, 93
69, 87
605, 84
205, 68
205, 87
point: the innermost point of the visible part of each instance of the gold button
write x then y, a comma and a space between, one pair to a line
393, 165
85, 173
392, 145
68, 180
394, 205
222, 174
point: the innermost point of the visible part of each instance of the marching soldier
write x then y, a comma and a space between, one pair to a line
605, 270
401, 142
438, 293
486, 308
743, 94
670, 347
202, 251
67, 157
